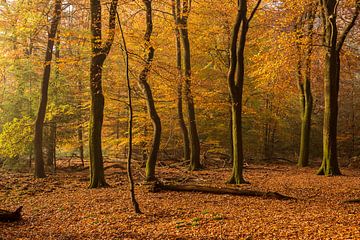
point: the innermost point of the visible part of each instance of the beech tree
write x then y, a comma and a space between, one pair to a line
183, 11
144, 85
304, 30
333, 42
39, 122
99, 51
236, 77
183, 128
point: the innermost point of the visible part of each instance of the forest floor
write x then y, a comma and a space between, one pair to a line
61, 207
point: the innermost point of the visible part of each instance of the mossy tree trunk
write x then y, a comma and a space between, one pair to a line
182, 124
39, 122
305, 30
99, 54
194, 141
151, 109
333, 42
235, 83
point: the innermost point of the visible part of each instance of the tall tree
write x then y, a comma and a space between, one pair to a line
39, 122
130, 119
333, 42
236, 77
182, 124
305, 35
100, 51
183, 16
155, 119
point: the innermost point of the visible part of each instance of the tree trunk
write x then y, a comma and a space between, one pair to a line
306, 112
39, 122
333, 44
152, 157
304, 83
193, 134
99, 54
81, 144
51, 150
130, 121
182, 124
97, 177
236, 83
235, 89
330, 164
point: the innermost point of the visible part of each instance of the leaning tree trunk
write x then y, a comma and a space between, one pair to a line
151, 161
333, 43
182, 124
39, 123
99, 54
130, 121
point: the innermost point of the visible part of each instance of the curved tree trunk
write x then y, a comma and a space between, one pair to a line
99, 54
39, 122
151, 161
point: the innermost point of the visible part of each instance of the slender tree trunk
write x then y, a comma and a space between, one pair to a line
306, 112
99, 54
81, 144
182, 124
51, 145
151, 161
39, 122
130, 122
189, 100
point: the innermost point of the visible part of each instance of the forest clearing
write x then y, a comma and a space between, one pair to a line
61, 207
179, 119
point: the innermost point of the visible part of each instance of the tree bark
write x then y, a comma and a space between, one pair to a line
182, 124
333, 43
81, 144
130, 121
51, 145
151, 109
39, 122
235, 84
214, 190
99, 54
304, 84
194, 141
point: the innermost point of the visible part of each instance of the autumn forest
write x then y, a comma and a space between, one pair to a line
179, 119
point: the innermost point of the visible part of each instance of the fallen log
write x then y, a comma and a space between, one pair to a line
8, 216
157, 186
352, 201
